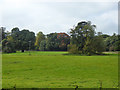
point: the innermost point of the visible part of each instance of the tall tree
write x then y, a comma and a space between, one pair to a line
40, 37
52, 42
26, 40
83, 36
15, 33
8, 45
22, 40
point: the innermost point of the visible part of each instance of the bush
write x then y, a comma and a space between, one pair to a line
8, 46
8, 50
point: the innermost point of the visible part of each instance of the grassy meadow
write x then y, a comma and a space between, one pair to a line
58, 70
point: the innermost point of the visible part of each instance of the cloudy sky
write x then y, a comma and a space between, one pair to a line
58, 16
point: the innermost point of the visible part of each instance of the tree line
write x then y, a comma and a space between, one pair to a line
82, 39
17, 40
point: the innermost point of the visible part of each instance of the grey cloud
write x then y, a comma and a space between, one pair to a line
60, 17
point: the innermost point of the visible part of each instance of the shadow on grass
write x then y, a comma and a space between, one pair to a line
97, 54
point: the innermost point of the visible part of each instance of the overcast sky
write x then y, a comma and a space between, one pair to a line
49, 17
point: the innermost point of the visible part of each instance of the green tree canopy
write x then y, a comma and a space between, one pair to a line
83, 36
39, 38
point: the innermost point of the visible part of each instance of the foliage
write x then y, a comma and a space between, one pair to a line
72, 48
52, 42
88, 48
112, 43
83, 40
56, 42
43, 45
40, 36
83, 36
27, 40
18, 40
98, 44
8, 45
63, 41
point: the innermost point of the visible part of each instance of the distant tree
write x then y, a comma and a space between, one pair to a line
81, 33
22, 40
8, 45
42, 45
82, 36
15, 33
26, 40
63, 40
57, 42
52, 43
112, 43
40, 36
98, 44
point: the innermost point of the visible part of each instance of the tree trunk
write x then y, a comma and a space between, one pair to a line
22, 50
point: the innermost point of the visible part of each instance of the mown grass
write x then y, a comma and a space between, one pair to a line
58, 70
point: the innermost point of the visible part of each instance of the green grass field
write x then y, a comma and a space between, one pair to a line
58, 70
